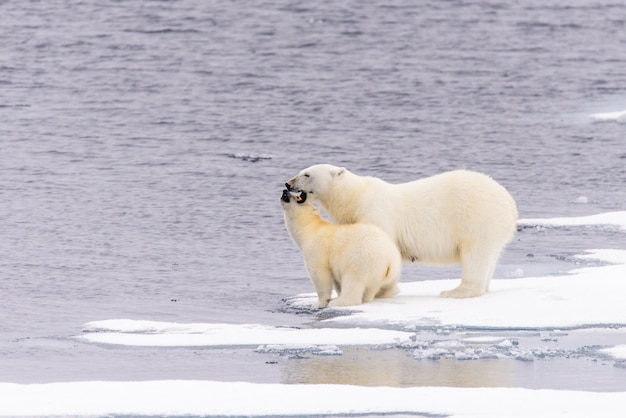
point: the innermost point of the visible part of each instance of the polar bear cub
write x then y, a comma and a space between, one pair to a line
359, 260
455, 217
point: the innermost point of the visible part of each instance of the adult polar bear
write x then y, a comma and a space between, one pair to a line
455, 217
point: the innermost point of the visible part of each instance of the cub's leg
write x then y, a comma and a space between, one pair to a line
323, 282
352, 291
477, 267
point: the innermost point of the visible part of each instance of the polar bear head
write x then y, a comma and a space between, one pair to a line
297, 213
316, 180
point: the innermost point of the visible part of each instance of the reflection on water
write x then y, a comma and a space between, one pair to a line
369, 367
564, 360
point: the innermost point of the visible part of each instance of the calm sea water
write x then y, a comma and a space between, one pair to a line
145, 144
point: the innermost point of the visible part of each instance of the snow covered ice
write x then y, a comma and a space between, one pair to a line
610, 219
147, 333
562, 302
619, 117
198, 398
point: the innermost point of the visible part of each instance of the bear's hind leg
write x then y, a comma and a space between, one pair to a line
388, 291
370, 293
477, 269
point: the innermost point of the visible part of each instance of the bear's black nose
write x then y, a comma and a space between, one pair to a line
285, 197
288, 186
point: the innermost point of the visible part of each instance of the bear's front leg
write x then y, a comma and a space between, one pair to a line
323, 282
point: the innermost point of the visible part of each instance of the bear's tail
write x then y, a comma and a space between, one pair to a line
390, 280
394, 268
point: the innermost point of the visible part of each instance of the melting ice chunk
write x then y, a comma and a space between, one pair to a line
619, 117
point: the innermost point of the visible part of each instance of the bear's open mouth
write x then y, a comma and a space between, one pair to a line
287, 195
301, 198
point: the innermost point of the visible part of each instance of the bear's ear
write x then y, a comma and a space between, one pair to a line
339, 172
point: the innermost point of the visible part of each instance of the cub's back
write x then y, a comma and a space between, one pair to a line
362, 240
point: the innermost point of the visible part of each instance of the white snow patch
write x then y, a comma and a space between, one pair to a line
207, 398
619, 117
610, 256
165, 334
587, 297
617, 219
485, 339
618, 352
299, 349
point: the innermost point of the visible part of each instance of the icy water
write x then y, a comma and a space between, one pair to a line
145, 144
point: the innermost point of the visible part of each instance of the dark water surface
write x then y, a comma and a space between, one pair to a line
144, 145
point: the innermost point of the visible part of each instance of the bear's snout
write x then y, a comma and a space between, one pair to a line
288, 186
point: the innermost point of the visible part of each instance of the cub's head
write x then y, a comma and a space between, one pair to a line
315, 180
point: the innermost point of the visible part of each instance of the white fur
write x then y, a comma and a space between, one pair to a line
454, 217
360, 261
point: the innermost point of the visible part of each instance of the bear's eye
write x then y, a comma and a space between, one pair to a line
306, 175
